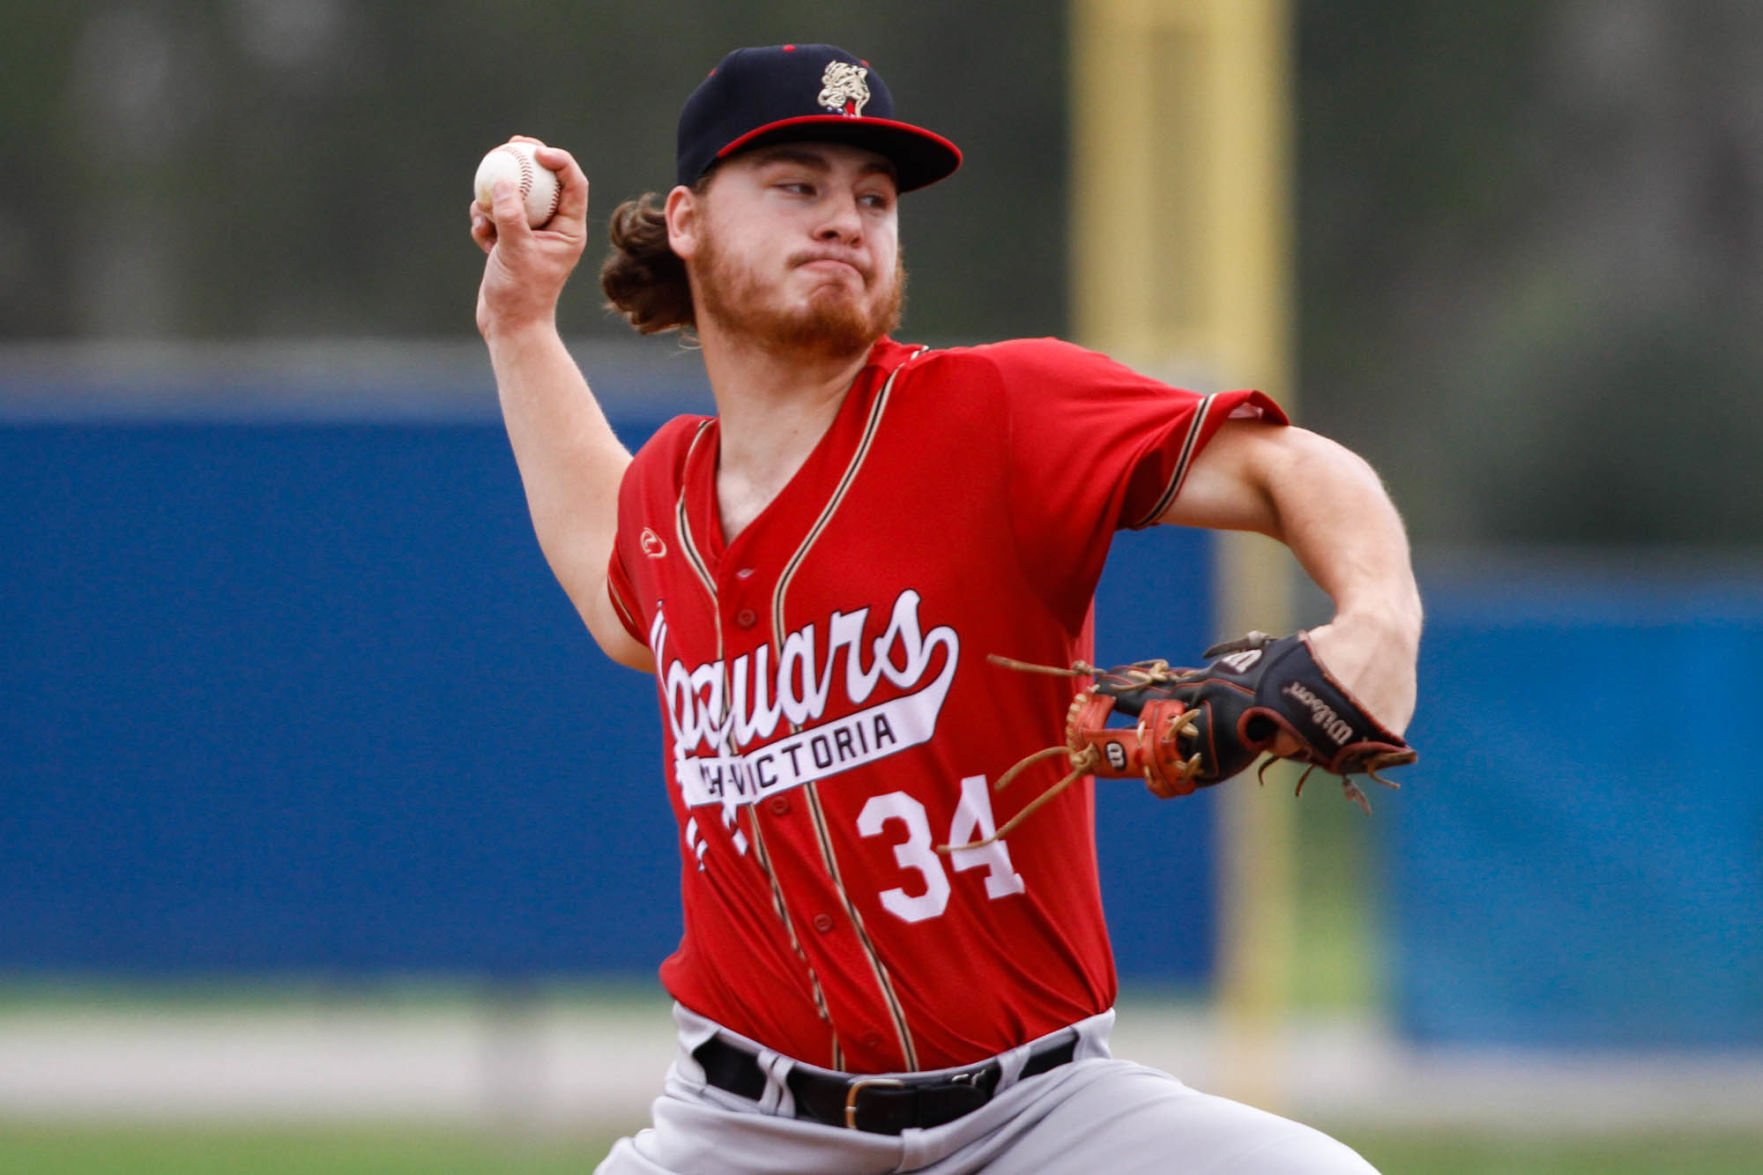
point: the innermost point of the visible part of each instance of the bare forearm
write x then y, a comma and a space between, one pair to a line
570, 459
571, 464
1332, 511
1330, 508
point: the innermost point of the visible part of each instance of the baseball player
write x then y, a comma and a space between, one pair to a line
870, 979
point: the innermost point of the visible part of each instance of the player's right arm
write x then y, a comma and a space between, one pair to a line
570, 460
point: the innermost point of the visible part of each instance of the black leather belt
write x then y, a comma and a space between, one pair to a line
879, 1105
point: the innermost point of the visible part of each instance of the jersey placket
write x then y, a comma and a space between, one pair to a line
791, 834
848, 920
728, 589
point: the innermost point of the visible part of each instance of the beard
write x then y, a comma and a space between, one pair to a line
833, 324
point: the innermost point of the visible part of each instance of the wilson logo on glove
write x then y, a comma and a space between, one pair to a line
1321, 713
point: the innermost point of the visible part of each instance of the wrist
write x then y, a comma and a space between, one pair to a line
508, 328
1372, 652
1391, 624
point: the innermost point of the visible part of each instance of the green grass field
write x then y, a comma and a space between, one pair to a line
1453, 1153
113, 1150
39, 1149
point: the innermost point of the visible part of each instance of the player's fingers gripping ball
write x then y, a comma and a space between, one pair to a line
536, 184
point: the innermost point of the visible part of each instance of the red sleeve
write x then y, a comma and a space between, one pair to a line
1158, 478
645, 508
1096, 447
623, 593
1093, 438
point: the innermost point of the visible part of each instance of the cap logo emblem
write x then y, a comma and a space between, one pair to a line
843, 88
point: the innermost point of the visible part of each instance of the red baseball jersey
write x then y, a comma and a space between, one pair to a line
832, 722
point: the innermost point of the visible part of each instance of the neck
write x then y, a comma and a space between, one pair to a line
773, 408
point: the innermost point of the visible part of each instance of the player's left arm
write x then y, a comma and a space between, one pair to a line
1330, 508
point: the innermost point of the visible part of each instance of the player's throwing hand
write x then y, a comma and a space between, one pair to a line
527, 267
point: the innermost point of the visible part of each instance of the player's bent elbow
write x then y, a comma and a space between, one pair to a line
593, 603
626, 651
610, 633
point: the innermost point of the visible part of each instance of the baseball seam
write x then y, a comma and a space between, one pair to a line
525, 163
529, 176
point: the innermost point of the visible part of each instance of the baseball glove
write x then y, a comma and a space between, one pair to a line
1199, 727
1236, 708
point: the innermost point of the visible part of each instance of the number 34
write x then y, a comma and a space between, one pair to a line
973, 821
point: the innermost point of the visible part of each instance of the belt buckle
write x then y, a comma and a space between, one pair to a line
857, 1086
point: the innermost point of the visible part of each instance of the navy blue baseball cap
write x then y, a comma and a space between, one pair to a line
792, 93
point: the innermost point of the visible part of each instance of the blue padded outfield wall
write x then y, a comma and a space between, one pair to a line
293, 693
300, 696
1579, 856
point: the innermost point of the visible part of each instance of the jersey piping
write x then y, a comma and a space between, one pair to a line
838, 495
1189, 447
884, 981
689, 544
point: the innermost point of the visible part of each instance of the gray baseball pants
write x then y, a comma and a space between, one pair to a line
1093, 1116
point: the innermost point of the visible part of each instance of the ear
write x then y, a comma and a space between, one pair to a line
684, 211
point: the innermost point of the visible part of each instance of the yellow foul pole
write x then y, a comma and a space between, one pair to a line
1181, 267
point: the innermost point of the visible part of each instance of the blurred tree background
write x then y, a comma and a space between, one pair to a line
1530, 231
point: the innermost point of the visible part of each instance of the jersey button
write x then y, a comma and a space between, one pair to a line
872, 1040
779, 806
823, 922
746, 618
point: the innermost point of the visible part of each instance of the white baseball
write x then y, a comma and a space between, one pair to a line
536, 183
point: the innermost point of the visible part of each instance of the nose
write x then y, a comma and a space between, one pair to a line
843, 220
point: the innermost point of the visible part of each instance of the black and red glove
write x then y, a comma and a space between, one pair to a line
1217, 720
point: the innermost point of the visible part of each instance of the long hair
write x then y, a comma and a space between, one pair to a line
643, 278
